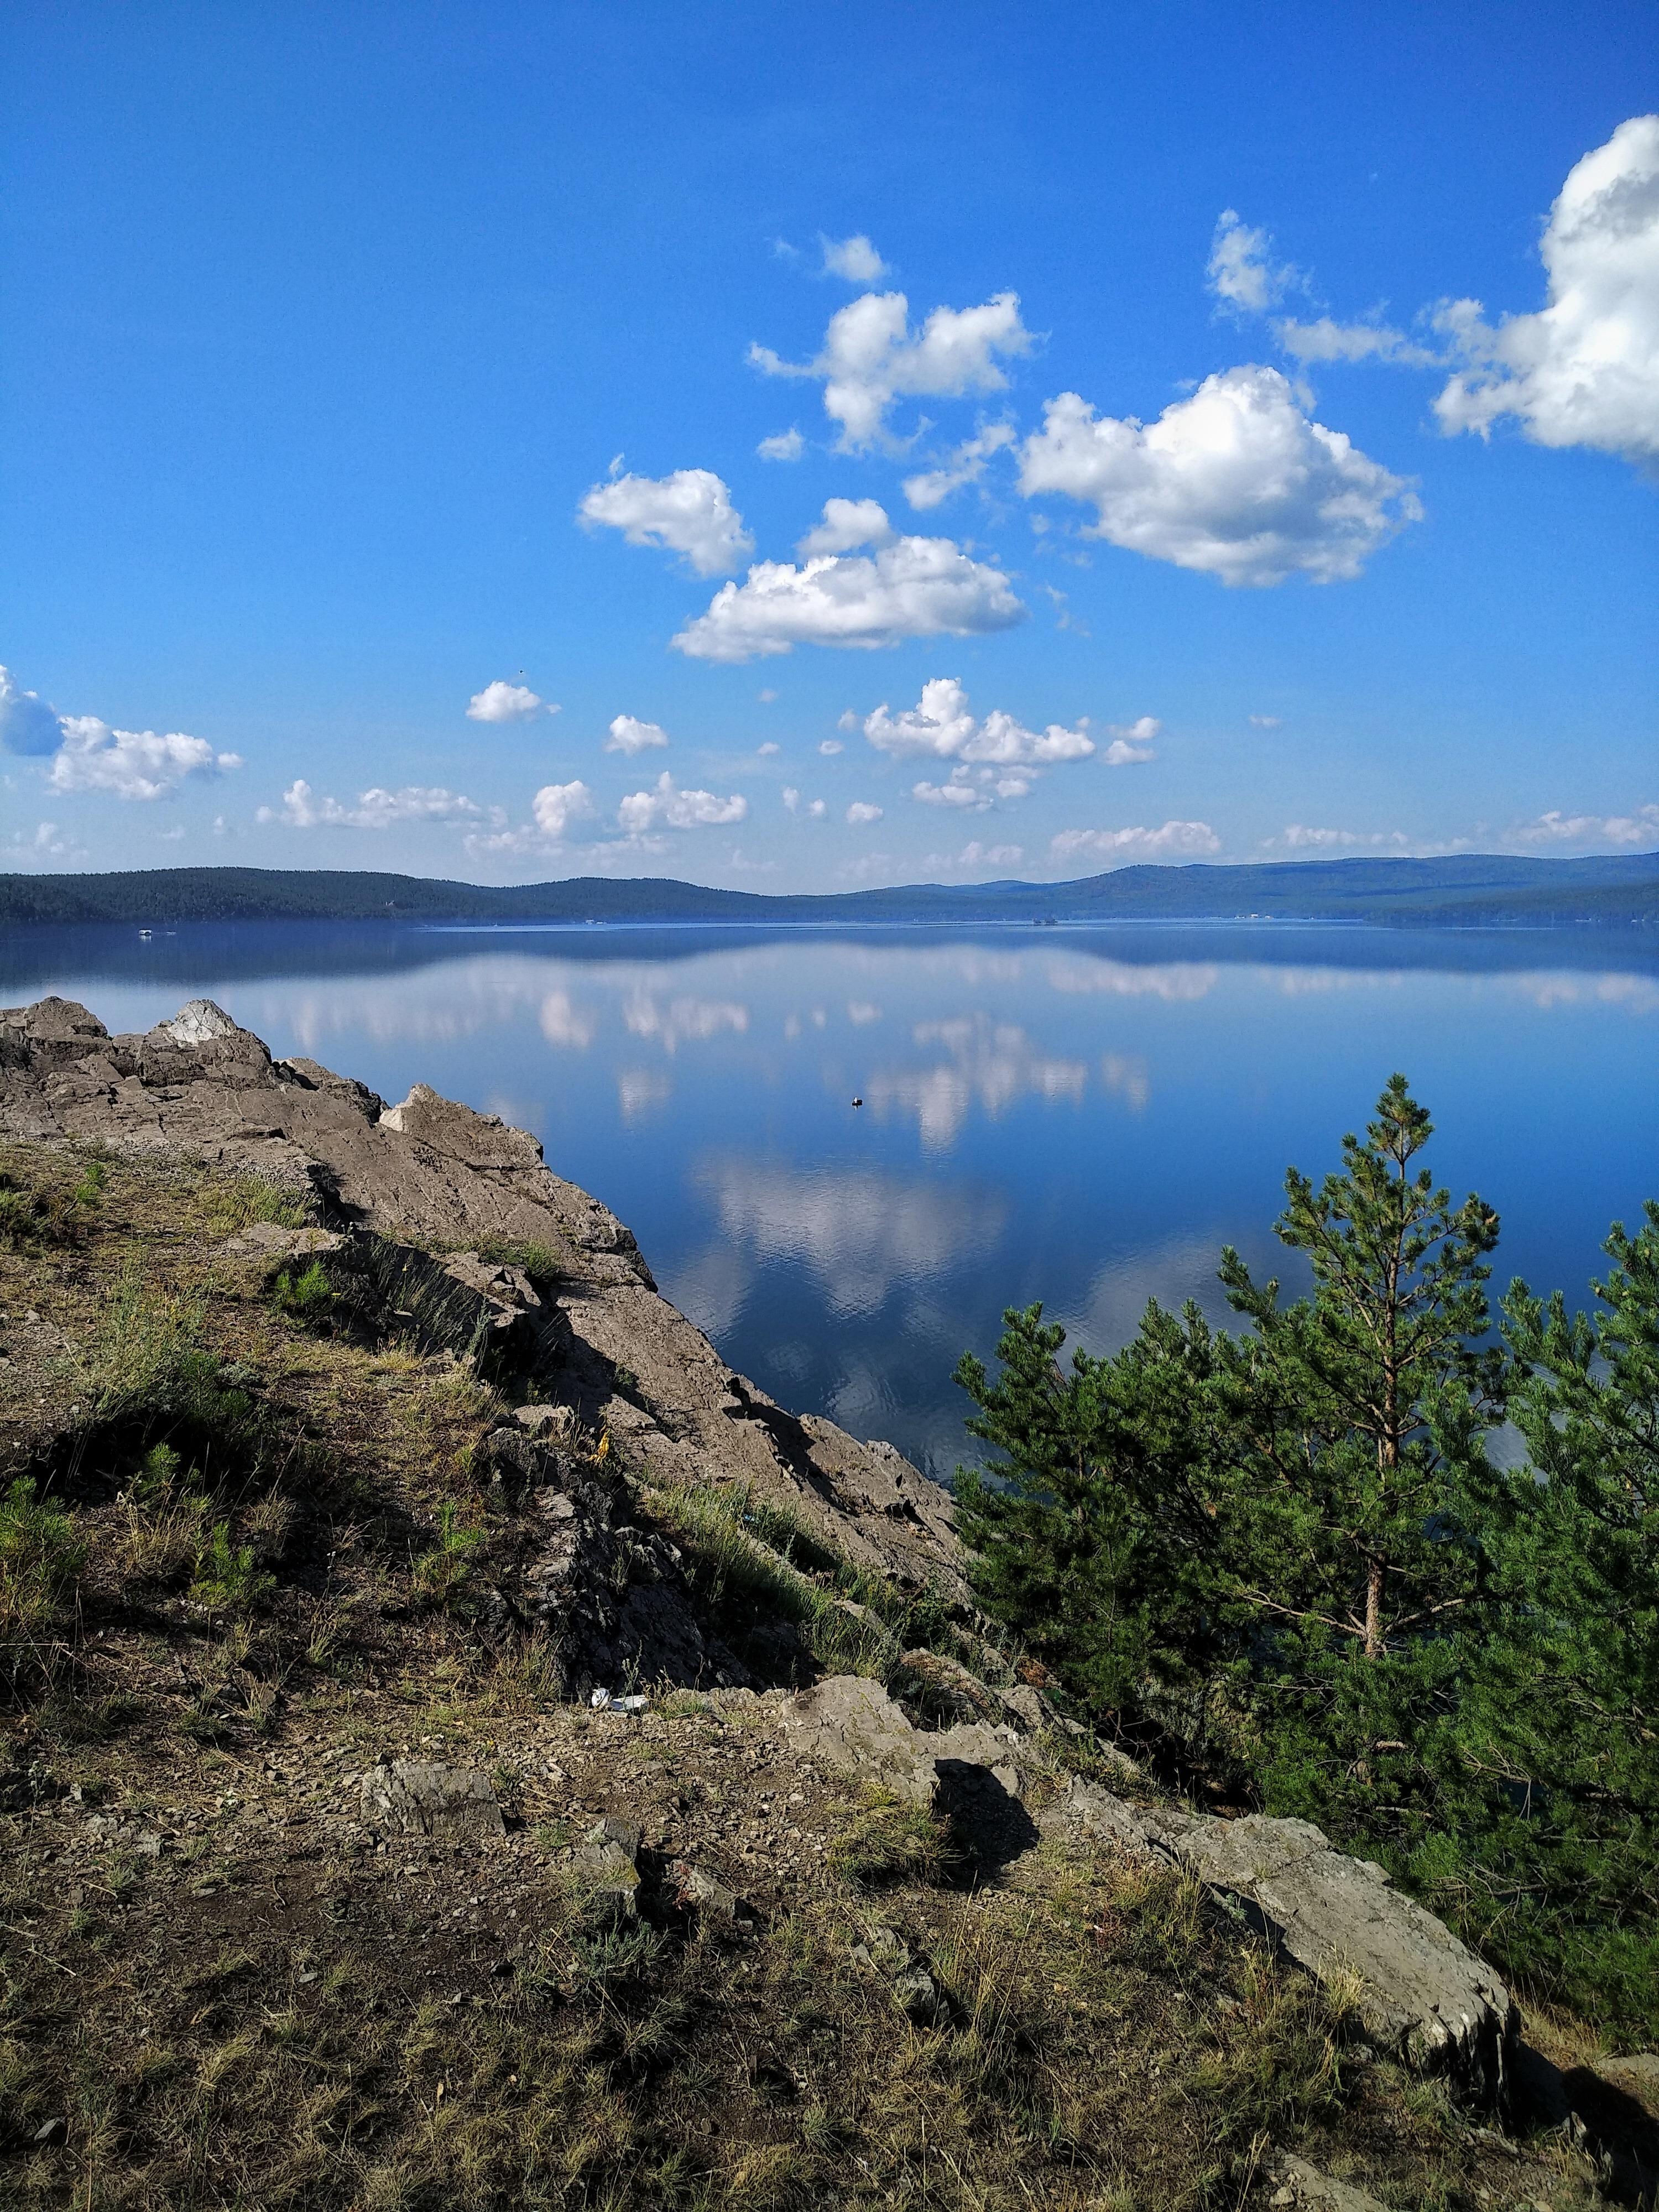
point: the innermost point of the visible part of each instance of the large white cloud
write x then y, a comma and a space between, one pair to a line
689, 511
914, 587
27, 724
131, 764
666, 805
502, 701
1236, 481
630, 736
376, 808
1585, 370
942, 726
1181, 837
870, 358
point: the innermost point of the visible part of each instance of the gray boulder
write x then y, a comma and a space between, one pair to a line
1424, 1995
447, 1803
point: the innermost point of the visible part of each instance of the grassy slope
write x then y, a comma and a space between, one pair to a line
1462, 889
270, 2013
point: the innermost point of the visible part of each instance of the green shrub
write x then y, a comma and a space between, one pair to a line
888, 1839
41, 1557
442, 1573
227, 1579
52, 1212
308, 1296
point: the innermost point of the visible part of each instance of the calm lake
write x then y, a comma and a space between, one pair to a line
1082, 1116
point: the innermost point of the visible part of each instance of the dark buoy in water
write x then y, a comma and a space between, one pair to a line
858, 1102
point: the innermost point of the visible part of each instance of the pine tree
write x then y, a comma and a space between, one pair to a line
1357, 1418
1566, 1715
1092, 1536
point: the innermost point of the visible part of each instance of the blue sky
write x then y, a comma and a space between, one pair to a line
943, 442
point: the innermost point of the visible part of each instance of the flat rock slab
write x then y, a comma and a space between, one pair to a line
447, 1802
1424, 1994
1296, 2182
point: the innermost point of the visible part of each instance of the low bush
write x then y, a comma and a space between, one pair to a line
41, 1556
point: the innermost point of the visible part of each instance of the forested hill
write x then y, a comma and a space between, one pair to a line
1461, 890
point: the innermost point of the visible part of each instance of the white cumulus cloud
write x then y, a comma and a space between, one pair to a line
376, 808
1556, 827
27, 724
847, 523
131, 764
853, 258
784, 446
942, 726
1584, 371
666, 805
1326, 340
1236, 481
555, 805
689, 511
1132, 741
965, 465
502, 701
914, 587
1181, 837
871, 358
630, 736
862, 811
1241, 272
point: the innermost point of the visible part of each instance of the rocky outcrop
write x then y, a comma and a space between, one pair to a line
1423, 1995
608, 1597
427, 1175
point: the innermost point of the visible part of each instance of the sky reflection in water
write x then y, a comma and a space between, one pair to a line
1082, 1117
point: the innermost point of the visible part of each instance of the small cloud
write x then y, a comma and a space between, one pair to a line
832, 745
852, 259
767, 750
766, 697
1241, 276
847, 523
630, 736
27, 724
674, 809
377, 808
557, 805
502, 701
786, 446
966, 465
1174, 837
690, 513
849, 721
1555, 828
818, 809
1266, 722
790, 797
862, 811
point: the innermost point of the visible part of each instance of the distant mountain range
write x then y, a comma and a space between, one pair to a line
1462, 890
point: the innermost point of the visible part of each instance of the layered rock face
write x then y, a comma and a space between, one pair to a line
429, 1171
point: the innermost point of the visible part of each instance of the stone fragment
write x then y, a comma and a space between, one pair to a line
917, 1996
850, 1723
1300, 2184
606, 1862
448, 1802
695, 1886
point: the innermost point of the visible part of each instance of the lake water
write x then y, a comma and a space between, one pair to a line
1084, 1116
